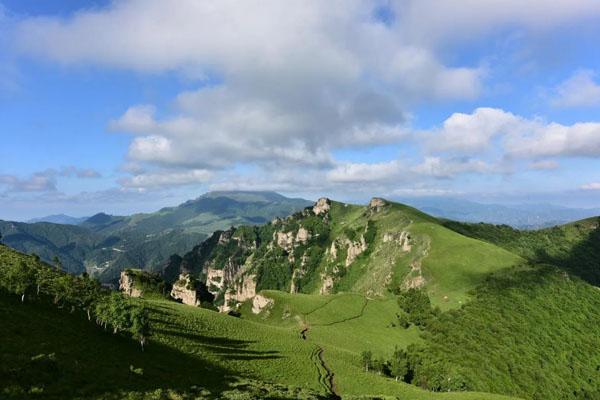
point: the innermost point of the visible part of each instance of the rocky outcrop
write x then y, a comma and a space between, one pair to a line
303, 235
225, 237
285, 240
377, 204
402, 239
127, 284
218, 279
322, 206
260, 302
214, 280
242, 290
355, 249
333, 251
326, 285
184, 290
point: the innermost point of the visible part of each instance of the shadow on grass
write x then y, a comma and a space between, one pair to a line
90, 362
583, 260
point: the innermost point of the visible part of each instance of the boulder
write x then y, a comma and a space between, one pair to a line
259, 303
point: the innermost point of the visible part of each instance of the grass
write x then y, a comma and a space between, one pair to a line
344, 325
455, 264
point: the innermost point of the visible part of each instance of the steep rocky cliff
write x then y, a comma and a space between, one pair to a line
326, 248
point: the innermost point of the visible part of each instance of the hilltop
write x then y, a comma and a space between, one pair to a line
336, 247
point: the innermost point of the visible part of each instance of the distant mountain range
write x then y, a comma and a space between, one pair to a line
59, 219
522, 216
105, 244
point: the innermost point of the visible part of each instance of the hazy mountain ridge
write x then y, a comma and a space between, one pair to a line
522, 216
58, 219
104, 244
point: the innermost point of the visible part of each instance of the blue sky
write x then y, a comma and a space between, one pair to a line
133, 105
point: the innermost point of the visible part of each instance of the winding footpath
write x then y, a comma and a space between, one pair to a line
327, 379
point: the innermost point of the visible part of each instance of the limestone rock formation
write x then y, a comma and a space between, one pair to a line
185, 290
402, 239
242, 290
302, 236
285, 240
217, 279
259, 303
127, 284
214, 280
322, 206
355, 249
326, 285
377, 204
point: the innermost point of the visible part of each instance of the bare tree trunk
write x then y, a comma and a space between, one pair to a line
88, 314
38, 289
23, 298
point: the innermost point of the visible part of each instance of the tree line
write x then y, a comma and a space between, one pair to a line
31, 279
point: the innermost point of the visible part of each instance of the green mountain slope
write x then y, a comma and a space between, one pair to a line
104, 245
336, 247
336, 288
574, 247
49, 353
70, 243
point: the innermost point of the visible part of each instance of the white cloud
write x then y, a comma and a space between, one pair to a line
447, 168
591, 186
473, 132
166, 178
38, 182
363, 172
539, 139
297, 80
137, 119
44, 181
442, 22
520, 137
580, 90
396, 171
300, 79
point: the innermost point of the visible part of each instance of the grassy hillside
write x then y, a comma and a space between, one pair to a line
574, 247
51, 353
394, 247
499, 323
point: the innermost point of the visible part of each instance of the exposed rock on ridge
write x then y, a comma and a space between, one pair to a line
127, 284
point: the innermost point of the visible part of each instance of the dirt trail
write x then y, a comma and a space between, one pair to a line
326, 380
